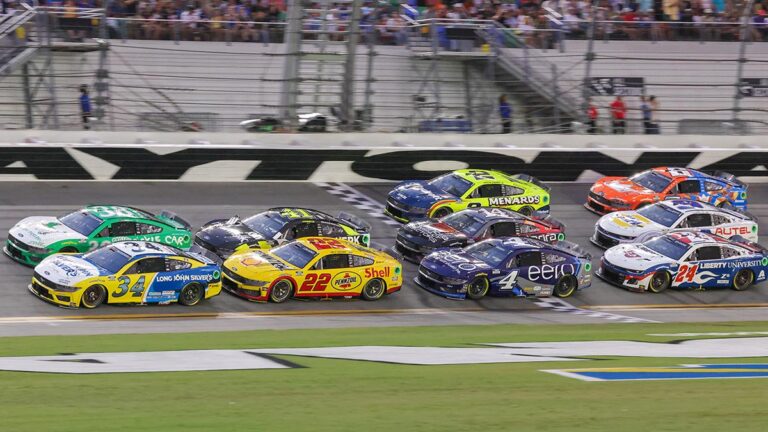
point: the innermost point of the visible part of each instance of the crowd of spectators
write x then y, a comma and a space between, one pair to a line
539, 22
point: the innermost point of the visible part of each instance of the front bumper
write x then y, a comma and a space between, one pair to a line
456, 292
21, 255
244, 291
605, 240
69, 300
622, 279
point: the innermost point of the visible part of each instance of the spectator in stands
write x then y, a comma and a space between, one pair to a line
85, 106
618, 116
645, 109
505, 112
592, 115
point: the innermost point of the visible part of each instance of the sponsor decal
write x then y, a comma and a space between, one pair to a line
515, 200
71, 271
371, 273
185, 278
51, 224
251, 261
549, 272
346, 281
732, 231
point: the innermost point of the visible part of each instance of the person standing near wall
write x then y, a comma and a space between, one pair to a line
505, 112
85, 106
645, 107
655, 127
618, 115
591, 117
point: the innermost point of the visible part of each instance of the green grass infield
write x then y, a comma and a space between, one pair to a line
344, 395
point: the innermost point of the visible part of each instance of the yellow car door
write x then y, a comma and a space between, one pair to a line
134, 281
329, 276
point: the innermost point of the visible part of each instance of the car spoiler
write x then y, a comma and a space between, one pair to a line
757, 247
730, 178
175, 219
573, 248
553, 222
532, 179
357, 222
728, 207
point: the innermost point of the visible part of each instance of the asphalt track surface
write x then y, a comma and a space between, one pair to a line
201, 202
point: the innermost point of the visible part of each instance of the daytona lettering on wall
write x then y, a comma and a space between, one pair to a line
135, 163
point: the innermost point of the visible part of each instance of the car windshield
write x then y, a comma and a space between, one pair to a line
267, 224
651, 180
668, 247
81, 221
109, 258
660, 214
464, 222
295, 254
488, 252
452, 184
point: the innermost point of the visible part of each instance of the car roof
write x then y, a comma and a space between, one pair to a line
514, 243
292, 213
687, 206
696, 238
491, 214
142, 249
493, 177
341, 245
105, 212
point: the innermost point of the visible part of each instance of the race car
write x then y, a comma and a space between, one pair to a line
467, 188
685, 259
629, 193
126, 272
417, 239
512, 266
218, 239
671, 215
312, 267
36, 237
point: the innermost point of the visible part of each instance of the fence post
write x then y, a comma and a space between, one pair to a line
556, 94
744, 32
588, 59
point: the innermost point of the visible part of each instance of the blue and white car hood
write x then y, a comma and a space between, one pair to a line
454, 263
67, 269
418, 194
636, 257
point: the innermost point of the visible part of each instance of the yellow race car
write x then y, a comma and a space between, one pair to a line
318, 267
126, 272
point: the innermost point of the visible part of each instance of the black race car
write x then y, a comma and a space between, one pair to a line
218, 239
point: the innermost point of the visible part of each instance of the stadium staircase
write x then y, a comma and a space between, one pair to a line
17, 39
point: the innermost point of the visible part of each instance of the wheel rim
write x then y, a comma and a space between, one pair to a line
743, 278
658, 282
565, 286
192, 294
91, 296
477, 287
280, 291
374, 289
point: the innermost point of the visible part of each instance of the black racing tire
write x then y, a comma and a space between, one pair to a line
281, 291
373, 290
641, 205
441, 212
660, 281
566, 286
743, 279
478, 288
191, 294
526, 211
93, 296
68, 249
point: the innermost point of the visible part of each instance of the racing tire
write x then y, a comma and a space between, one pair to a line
373, 290
441, 212
743, 279
660, 281
93, 296
478, 288
641, 205
566, 286
281, 291
68, 249
191, 294
526, 211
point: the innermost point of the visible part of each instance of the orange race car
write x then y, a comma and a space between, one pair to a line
611, 194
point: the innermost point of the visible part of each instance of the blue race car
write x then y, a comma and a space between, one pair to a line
685, 259
513, 266
417, 239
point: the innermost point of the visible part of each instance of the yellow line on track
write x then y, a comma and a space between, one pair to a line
138, 316
673, 306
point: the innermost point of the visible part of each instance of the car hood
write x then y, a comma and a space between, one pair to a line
621, 188
67, 270
454, 263
418, 194
43, 231
256, 265
435, 233
229, 236
628, 224
635, 257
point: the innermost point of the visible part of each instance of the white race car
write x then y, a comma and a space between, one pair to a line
670, 216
